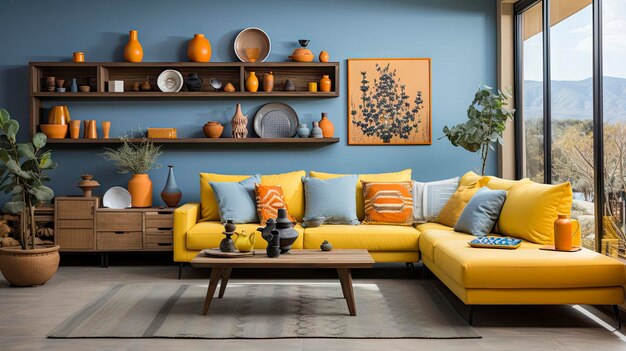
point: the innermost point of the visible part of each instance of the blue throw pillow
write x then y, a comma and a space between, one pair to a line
334, 199
236, 201
481, 213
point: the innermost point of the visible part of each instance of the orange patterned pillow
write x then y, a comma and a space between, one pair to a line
269, 198
388, 202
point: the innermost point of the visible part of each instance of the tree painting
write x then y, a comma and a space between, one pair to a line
387, 108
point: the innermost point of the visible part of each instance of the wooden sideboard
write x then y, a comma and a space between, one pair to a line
82, 225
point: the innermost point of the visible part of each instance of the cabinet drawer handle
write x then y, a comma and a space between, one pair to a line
164, 228
119, 232
164, 244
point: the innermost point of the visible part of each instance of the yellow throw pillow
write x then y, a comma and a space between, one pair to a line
470, 178
495, 183
402, 176
388, 203
531, 208
452, 210
291, 183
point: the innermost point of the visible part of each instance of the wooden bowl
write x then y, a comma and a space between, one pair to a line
84, 88
54, 131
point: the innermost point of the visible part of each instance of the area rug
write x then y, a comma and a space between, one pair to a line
385, 309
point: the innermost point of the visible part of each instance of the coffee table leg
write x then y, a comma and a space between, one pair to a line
216, 274
224, 282
345, 278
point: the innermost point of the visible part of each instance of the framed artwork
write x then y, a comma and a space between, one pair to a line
389, 101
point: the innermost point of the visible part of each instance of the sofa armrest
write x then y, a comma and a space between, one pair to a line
185, 217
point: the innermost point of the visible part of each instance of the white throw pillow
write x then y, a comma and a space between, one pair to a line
429, 198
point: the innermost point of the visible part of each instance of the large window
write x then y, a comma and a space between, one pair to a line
571, 72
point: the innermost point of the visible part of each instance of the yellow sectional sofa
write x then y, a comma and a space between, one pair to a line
526, 275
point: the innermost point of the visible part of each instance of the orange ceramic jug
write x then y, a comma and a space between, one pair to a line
328, 129
140, 189
59, 115
563, 233
199, 49
133, 52
252, 83
325, 84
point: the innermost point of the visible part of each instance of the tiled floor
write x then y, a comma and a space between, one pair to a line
28, 314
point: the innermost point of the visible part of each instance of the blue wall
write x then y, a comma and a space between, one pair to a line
459, 36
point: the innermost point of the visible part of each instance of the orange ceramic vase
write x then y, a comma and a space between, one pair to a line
325, 84
252, 83
324, 56
133, 52
199, 49
328, 129
268, 82
59, 115
563, 233
140, 189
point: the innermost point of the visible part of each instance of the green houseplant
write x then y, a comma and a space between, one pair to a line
22, 175
136, 159
487, 117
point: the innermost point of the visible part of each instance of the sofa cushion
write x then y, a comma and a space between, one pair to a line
207, 235
388, 203
291, 183
525, 267
269, 199
332, 199
384, 238
481, 213
425, 227
495, 183
430, 197
235, 200
401, 176
431, 238
531, 208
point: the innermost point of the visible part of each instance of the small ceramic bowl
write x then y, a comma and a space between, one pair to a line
60, 90
213, 130
84, 88
54, 131
312, 222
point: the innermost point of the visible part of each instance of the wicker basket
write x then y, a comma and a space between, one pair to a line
29, 267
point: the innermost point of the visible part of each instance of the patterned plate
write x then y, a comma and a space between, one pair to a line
496, 242
276, 120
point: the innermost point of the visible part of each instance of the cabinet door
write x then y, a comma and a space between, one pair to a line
75, 238
75, 208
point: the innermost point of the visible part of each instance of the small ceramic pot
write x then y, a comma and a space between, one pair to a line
213, 129
78, 56
60, 83
324, 56
193, 82
303, 130
60, 90
326, 246
312, 87
84, 88
229, 226
316, 132
229, 88
289, 85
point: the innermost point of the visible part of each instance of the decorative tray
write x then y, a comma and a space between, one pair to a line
276, 120
552, 248
495, 242
217, 253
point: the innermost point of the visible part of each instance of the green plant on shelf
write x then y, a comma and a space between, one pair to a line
134, 157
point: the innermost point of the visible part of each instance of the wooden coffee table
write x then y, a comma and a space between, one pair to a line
341, 260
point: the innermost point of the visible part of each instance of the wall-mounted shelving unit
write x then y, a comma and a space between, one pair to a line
97, 74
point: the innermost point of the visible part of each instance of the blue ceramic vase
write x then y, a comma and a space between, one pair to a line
171, 194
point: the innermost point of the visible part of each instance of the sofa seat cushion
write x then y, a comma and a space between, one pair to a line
425, 227
524, 268
431, 237
207, 235
375, 238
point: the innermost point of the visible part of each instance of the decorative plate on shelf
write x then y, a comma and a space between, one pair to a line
170, 81
276, 120
252, 38
116, 198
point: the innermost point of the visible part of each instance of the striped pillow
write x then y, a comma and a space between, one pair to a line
429, 198
388, 202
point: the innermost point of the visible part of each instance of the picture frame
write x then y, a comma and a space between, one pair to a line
389, 101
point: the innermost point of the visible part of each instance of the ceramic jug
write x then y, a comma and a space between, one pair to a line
268, 82
252, 83
316, 132
133, 52
59, 115
325, 84
328, 129
199, 49
273, 245
245, 241
171, 194
563, 233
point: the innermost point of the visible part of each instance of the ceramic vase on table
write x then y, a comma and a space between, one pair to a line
316, 132
563, 233
133, 52
328, 129
239, 124
199, 49
252, 83
140, 189
268, 82
171, 194
325, 84
287, 234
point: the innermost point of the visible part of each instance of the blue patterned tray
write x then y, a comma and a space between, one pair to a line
495, 242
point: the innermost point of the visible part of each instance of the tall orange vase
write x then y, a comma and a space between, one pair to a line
199, 49
140, 189
563, 233
133, 52
252, 83
328, 129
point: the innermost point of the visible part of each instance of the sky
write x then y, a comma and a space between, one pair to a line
572, 45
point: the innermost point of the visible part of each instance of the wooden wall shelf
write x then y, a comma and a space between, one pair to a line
203, 141
97, 74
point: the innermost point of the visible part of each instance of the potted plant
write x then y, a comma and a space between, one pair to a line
487, 115
136, 159
22, 175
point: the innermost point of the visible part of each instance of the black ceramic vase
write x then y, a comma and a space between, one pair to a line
227, 244
193, 82
288, 234
273, 246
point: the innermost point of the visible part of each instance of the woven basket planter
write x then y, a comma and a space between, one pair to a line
29, 267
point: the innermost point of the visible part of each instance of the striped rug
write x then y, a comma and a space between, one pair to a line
386, 309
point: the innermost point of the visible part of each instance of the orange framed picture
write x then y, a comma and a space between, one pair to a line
389, 101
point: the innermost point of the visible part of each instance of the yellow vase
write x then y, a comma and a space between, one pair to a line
199, 49
133, 52
245, 241
252, 83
